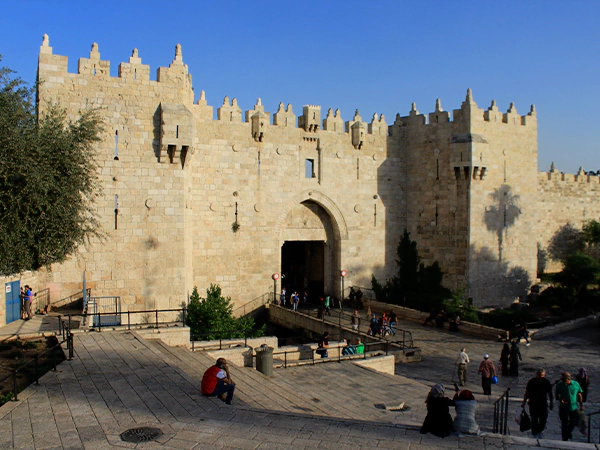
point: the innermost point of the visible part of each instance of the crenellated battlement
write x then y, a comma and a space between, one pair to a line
581, 177
469, 112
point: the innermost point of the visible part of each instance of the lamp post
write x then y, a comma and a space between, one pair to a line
343, 275
275, 277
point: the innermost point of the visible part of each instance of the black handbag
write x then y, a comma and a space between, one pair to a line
525, 422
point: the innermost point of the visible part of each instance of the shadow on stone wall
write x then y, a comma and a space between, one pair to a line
502, 214
491, 276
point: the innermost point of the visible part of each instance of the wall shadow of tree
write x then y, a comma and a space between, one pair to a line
502, 214
497, 276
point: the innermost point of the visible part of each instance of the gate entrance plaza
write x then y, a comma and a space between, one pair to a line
120, 381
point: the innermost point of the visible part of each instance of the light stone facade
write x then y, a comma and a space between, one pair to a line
466, 188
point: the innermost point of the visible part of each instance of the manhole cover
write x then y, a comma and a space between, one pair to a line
142, 434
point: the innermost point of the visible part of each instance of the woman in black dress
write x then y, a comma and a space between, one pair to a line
438, 420
504, 356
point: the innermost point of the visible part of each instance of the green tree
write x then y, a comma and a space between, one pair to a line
566, 241
416, 285
48, 180
580, 269
591, 232
212, 317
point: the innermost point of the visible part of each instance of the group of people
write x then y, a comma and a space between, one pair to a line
355, 298
509, 359
382, 326
439, 421
569, 393
294, 298
26, 301
439, 317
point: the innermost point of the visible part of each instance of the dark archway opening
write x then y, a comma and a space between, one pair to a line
303, 265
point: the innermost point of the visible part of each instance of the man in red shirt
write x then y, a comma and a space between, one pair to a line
487, 371
217, 382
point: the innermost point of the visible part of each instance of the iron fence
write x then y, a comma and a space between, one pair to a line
501, 414
67, 337
230, 333
128, 319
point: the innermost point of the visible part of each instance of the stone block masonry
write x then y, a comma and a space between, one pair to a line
466, 188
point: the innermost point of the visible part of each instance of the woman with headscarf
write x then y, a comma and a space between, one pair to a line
504, 356
438, 420
465, 405
584, 381
515, 357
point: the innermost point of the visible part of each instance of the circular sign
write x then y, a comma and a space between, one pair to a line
275, 276
343, 273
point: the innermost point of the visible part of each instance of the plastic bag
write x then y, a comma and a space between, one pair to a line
525, 422
494, 379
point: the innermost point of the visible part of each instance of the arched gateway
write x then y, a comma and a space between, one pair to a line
312, 229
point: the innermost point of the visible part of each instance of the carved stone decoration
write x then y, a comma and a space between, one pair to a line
214, 206
257, 207
339, 154
357, 209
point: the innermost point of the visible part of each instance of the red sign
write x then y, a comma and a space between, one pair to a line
275, 276
343, 273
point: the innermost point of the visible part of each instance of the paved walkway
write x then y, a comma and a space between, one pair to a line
120, 381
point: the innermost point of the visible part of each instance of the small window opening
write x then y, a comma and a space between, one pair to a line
116, 211
171, 153
116, 145
94, 69
134, 74
184, 152
437, 119
357, 169
177, 132
231, 116
309, 168
314, 116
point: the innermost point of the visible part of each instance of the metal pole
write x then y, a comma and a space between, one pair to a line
342, 297
156, 312
70, 346
274, 291
15, 389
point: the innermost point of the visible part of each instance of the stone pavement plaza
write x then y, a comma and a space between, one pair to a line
119, 381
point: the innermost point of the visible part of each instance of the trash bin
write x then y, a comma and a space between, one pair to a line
264, 359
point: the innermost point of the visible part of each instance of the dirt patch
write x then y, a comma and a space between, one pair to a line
20, 356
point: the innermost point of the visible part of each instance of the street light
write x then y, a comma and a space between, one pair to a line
275, 277
342, 274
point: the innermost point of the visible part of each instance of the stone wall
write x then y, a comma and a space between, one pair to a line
190, 199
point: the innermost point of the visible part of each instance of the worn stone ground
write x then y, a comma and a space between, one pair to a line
120, 381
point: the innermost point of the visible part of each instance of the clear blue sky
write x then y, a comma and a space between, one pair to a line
375, 56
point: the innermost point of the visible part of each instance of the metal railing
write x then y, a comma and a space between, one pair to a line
589, 427
501, 414
370, 350
70, 299
109, 305
253, 304
406, 342
144, 317
247, 333
41, 299
67, 337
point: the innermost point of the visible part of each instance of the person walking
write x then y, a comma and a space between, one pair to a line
328, 305
355, 320
583, 379
515, 357
359, 296
538, 393
282, 297
462, 362
504, 357
393, 321
487, 371
568, 394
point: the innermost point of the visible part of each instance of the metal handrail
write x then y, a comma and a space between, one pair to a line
407, 339
589, 430
270, 298
339, 358
220, 333
155, 312
67, 336
501, 413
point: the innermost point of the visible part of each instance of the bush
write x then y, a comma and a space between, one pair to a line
212, 317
